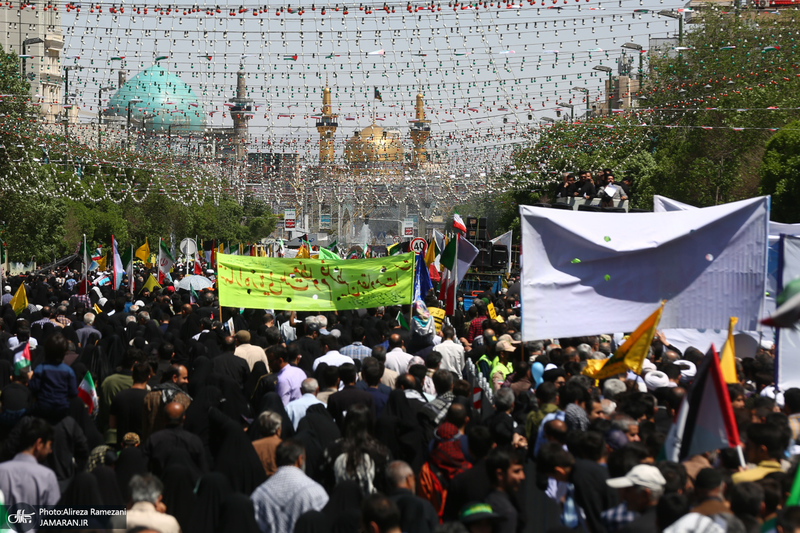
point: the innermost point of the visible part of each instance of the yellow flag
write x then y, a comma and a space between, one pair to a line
101, 263
302, 253
20, 300
632, 353
728, 360
97, 309
143, 253
430, 254
150, 283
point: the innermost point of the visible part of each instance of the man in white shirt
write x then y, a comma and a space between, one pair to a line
452, 352
396, 358
332, 356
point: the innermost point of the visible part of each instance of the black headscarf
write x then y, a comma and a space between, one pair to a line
344, 507
197, 414
179, 494
114, 349
316, 431
238, 515
107, 482
202, 369
212, 490
259, 370
82, 491
399, 429
234, 454
235, 405
131, 462
312, 522
272, 402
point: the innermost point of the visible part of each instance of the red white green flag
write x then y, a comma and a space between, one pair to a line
88, 393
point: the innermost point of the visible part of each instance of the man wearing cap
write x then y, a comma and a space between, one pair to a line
640, 489
478, 517
248, 352
6, 295
502, 367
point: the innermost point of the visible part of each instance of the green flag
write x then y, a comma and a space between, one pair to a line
448, 258
324, 253
314, 284
127, 257
402, 320
332, 246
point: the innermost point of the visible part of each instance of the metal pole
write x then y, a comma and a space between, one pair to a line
680, 30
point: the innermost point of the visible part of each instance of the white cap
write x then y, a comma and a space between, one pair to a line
645, 476
7, 288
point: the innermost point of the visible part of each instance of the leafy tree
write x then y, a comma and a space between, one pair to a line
780, 173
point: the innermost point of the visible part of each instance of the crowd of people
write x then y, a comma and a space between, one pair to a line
222, 420
587, 187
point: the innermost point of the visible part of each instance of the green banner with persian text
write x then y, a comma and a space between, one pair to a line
314, 284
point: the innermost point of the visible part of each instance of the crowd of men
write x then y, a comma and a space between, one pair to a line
243, 421
587, 187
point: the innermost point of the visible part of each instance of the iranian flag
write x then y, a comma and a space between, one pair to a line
22, 359
456, 259
458, 223
165, 262
88, 393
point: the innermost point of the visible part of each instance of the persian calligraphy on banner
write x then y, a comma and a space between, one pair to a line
314, 284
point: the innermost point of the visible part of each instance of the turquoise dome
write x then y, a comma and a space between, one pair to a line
164, 95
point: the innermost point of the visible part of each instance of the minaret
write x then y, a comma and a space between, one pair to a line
240, 112
326, 126
420, 132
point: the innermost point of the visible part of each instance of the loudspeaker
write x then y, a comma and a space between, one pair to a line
484, 258
499, 257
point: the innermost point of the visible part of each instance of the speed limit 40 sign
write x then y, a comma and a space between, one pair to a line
419, 246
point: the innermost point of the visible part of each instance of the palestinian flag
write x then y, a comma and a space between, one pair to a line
705, 419
22, 359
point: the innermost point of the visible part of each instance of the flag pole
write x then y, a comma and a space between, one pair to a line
741, 456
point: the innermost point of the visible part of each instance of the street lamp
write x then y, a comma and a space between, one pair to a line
638, 48
610, 71
25, 43
100, 92
586, 92
548, 119
128, 123
571, 110
675, 15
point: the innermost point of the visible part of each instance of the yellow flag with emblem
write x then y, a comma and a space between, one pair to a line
632, 353
727, 362
20, 300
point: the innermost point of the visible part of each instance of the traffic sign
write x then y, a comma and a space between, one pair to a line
419, 246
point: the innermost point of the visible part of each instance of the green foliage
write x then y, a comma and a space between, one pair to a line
736, 71
779, 173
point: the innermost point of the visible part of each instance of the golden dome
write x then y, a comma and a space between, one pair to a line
373, 144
